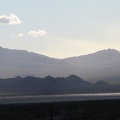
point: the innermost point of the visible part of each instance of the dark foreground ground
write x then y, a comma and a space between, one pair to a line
75, 110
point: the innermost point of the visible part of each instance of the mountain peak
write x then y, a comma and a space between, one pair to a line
104, 55
18, 77
101, 82
74, 77
111, 51
49, 77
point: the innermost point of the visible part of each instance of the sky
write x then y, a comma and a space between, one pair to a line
60, 28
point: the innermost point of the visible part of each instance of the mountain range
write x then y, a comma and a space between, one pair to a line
49, 85
101, 65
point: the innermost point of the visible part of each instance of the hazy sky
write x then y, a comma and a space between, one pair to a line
60, 28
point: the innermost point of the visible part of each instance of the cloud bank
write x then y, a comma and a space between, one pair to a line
36, 34
11, 19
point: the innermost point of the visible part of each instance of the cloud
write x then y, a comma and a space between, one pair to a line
20, 35
36, 34
11, 19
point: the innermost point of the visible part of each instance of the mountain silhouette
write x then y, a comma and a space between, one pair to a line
50, 85
101, 83
46, 85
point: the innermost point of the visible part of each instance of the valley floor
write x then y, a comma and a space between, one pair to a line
75, 110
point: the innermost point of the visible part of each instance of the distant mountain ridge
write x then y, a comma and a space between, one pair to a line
49, 85
103, 65
101, 83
